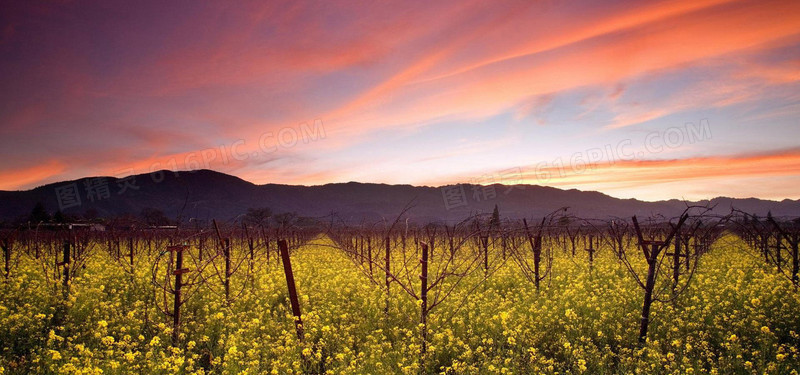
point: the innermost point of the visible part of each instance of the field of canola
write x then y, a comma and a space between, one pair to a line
737, 317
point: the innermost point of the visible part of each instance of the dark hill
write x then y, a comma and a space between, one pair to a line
206, 194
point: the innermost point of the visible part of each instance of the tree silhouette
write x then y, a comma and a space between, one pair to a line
39, 214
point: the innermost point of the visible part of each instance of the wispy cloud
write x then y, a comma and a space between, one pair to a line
103, 88
629, 178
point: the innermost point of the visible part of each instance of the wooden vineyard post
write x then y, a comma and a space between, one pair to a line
226, 253
450, 243
485, 246
130, 251
66, 257
225, 243
793, 241
387, 266
293, 300
278, 235
591, 251
110, 247
369, 253
778, 248
250, 244
676, 260
65, 263
360, 246
7, 257
652, 263
423, 277
36, 253
7, 245
176, 302
251, 247
572, 238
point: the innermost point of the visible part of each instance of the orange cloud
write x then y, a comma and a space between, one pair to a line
629, 178
16, 178
584, 29
686, 33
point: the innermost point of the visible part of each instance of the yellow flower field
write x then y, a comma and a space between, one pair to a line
737, 317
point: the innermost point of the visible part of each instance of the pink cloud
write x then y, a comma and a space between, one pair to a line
115, 93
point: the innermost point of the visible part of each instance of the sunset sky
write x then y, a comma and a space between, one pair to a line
665, 99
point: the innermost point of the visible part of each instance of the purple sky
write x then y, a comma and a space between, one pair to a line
654, 100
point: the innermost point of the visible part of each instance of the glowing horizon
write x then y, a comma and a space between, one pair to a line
648, 100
